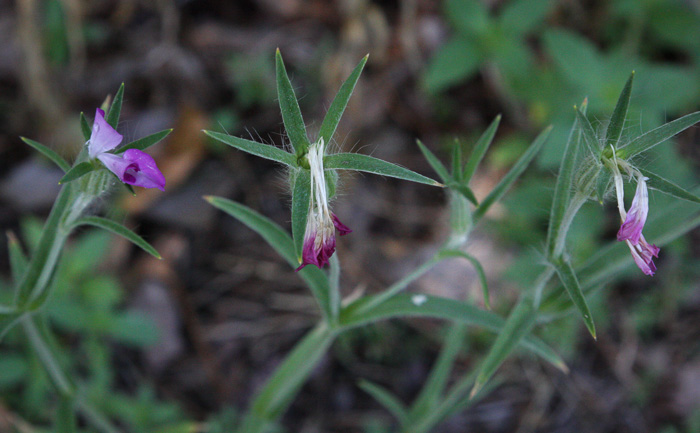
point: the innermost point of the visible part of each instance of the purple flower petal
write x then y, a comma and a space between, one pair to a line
631, 229
116, 164
144, 171
342, 228
643, 254
316, 251
103, 138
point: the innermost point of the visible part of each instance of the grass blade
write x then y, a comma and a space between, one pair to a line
118, 229
515, 172
617, 121
369, 164
434, 162
573, 288
77, 171
658, 135
253, 147
482, 145
291, 114
386, 399
667, 187
49, 153
335, 111
116, 108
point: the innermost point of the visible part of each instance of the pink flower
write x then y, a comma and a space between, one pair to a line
133, 167
321, 223
643, 253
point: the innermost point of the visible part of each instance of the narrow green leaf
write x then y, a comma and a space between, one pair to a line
280, 389
77, 172
479, 271
434, 386
573, 288
602, 184
301, 199
9, 317
589, 135
515, 172
369, 164
18, 260
145, 142
457, 161
85, 127
291, 114
617, 121
116, 108
646, 141
335, 111
385, 398
420, 305
43, 345
49, 153
118, 229
258, 149
563, 188
482, 145
434, 163
660, 184
465, 191
283, 244
514, 331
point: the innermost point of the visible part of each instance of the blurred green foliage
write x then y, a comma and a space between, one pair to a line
86, 311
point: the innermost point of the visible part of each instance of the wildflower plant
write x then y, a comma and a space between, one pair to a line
99, 166
590, 168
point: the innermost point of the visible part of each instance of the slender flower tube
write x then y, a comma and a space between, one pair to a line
643, 253
321, 224
133, 167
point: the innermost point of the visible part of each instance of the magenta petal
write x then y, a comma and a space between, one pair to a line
103, 138
316, 255
631, 229
643, 254
116, 164
342, 228
144, 171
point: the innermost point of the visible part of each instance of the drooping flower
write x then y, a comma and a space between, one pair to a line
643, 253
133, 167
321, 223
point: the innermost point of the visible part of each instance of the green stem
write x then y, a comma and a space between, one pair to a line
60, 380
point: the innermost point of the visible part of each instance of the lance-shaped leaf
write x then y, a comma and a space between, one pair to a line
335, 111
658, 135
145, 142
369, 164
482, 145
463, 189
617, 121
255, 148
281, 388
116, 108
667, 187
563, 186
85, 127
420, 305
434, 162
573, 289
77, 171
515, 172
283, 244
301, 199
589, 136
118, 229
385, 398
457, 174
434, 386
18, 260
514, 331
49, 153
291, 114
